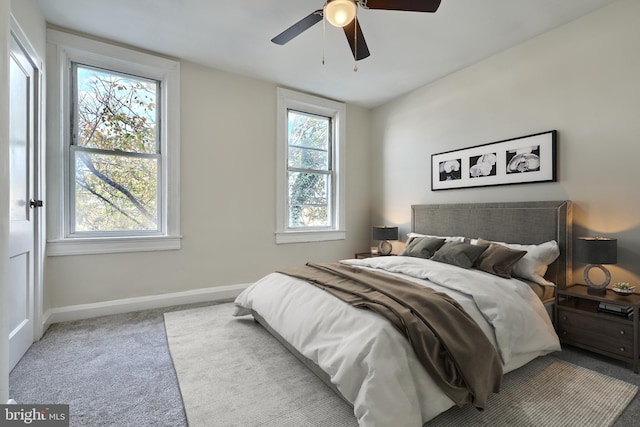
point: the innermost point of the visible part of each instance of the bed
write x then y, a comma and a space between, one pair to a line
364, 359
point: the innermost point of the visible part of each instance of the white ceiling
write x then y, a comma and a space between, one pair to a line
408, 49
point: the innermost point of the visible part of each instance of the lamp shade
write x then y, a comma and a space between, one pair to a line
597, 250
385, 233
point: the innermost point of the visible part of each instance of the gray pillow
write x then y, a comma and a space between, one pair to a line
459, 254
499, 260
422, 247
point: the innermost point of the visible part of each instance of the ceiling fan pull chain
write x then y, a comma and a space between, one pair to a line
355, 43
324, 27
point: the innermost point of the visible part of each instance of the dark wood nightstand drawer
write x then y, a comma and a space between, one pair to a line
580, 322
601, 332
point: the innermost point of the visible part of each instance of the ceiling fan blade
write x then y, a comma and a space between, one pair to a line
407, 5
356, 40
298, 28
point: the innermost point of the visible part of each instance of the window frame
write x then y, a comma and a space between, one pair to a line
336, 112
63, 50
328, 172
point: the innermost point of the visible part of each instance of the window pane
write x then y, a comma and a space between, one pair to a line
308, 200
308, 216
305, 158
308, 140
115, 193
115, 111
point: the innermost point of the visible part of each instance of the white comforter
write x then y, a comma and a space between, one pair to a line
370, 362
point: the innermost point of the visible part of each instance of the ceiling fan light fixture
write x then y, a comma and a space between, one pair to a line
339, 13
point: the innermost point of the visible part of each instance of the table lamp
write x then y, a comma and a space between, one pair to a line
596, 251
384, 234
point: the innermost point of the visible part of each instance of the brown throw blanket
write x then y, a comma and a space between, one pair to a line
447, 341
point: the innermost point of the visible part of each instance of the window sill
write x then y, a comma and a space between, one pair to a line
90, 246
309, 236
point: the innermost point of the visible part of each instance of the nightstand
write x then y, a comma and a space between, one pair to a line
581, 322
364, 255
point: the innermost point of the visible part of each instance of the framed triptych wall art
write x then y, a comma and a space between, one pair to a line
526, 159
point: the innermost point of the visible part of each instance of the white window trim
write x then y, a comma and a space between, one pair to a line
62, 49
288, 99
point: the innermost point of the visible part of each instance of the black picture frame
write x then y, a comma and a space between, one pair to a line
522, 160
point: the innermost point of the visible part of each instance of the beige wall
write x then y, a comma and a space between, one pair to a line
582, 79
31, 20
228, 179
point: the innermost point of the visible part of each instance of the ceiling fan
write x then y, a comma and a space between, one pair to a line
342, 13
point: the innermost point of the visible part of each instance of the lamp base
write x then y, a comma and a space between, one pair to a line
594, 288
596, 291
385, 247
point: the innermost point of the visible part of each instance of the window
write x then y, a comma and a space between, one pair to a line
118, 183
310, 184
309, 170
114, 153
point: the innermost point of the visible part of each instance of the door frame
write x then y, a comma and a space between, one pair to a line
39, 188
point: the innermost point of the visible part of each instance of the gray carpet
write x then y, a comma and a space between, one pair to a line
112, 371
117, 371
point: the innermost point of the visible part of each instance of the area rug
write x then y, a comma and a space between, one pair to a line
232, 372
548, 392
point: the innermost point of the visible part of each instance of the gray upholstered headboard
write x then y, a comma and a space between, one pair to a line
519, 222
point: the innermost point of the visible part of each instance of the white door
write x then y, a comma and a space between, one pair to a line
22, 134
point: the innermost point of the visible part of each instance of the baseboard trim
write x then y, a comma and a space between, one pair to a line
127, 305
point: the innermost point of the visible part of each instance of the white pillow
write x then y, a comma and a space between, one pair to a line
412, 235
534, 264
